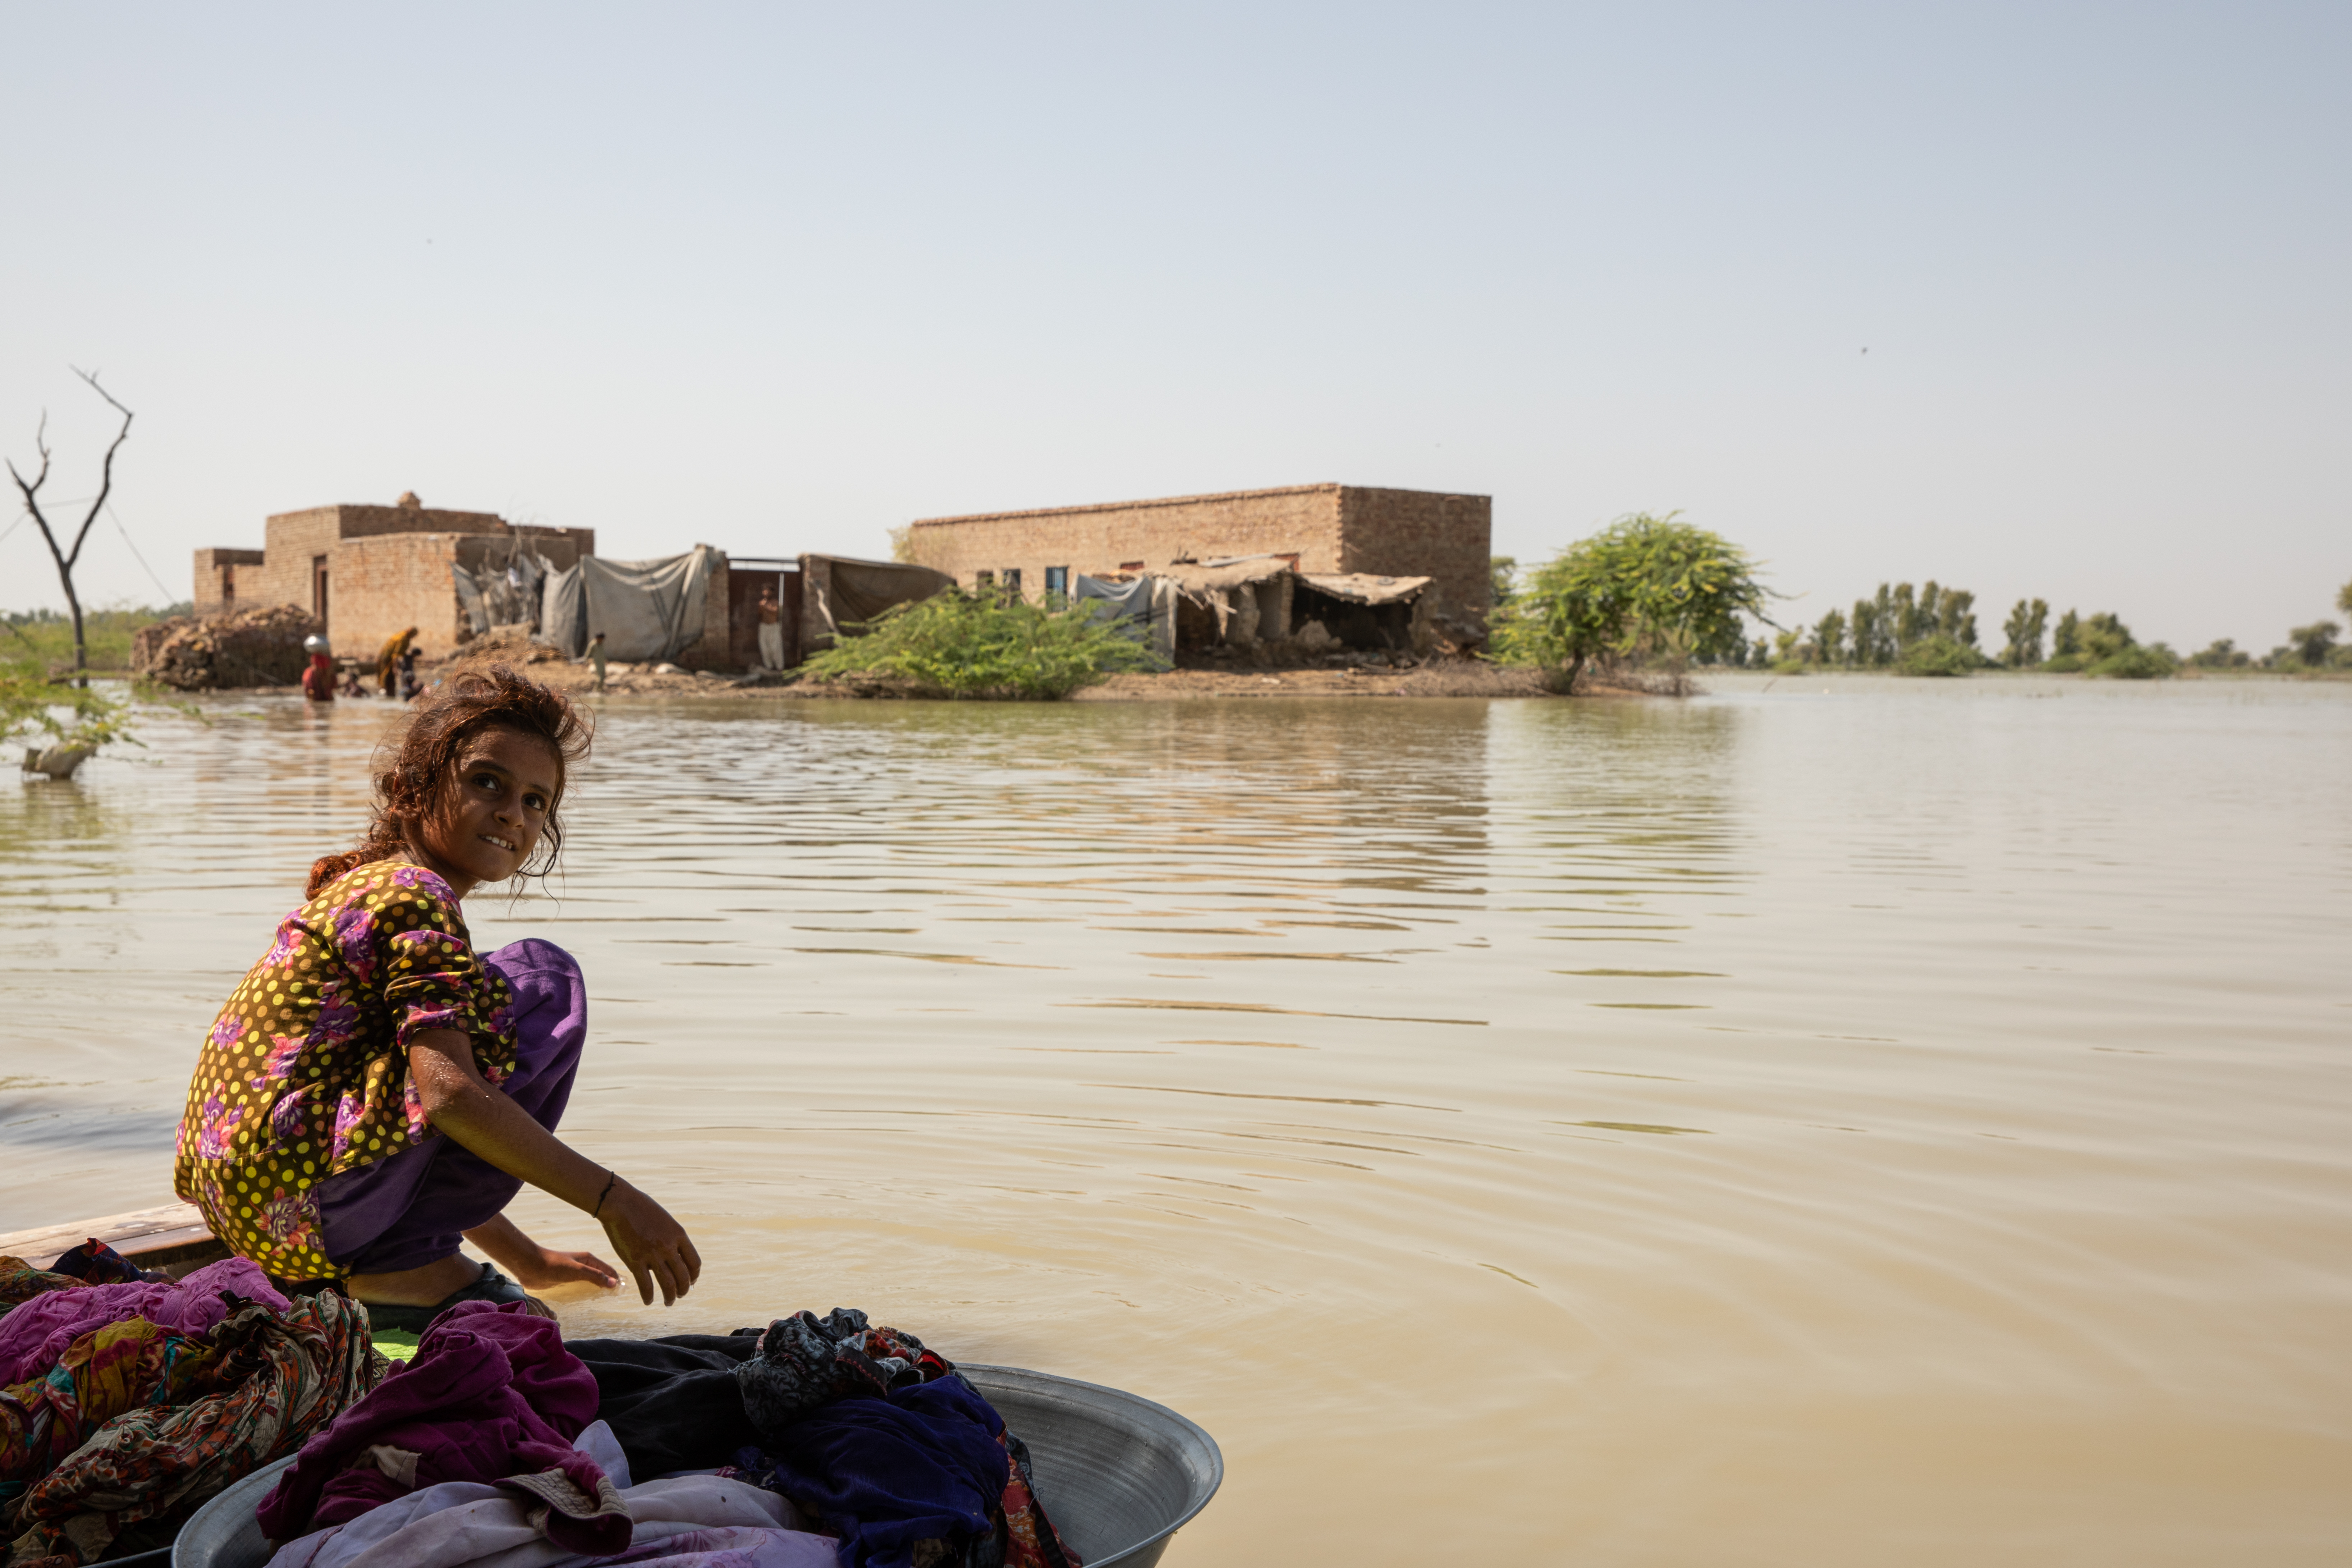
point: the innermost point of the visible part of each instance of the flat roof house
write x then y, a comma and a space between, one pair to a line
1320, 529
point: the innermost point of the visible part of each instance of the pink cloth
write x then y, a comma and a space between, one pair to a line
35, 1334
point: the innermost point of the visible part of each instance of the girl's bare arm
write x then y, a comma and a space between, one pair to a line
654, 1247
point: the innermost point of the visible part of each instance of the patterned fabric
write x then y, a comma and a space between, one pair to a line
107, 1371
33, 1336
805, 1360
305, 1074
258, 1385
21, 1281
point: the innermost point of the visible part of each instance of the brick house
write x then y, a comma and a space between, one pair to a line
370, 572
1324, 529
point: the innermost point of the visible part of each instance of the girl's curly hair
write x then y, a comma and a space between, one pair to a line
418, 760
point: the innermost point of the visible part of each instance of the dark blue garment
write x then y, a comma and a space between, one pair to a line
921, 1465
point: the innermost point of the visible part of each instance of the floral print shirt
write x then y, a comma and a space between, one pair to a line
305, 1072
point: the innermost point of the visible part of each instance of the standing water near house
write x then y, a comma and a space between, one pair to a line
1843, 1120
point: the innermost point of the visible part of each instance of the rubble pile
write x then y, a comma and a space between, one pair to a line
207, 653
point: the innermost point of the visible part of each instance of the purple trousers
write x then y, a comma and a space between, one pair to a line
414, 1207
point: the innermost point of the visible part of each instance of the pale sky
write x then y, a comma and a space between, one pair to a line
777, 277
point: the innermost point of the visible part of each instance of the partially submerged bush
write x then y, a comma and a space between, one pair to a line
2138, 662
1650, 590
1938, 655
75, 719
982, 645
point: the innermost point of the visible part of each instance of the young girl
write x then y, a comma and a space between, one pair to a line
374, 1091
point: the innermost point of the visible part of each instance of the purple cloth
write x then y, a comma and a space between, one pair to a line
414, 1207
35, 1334
491, 1395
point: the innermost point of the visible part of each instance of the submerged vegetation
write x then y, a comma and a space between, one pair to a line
1644, 591
43, 697
985, 645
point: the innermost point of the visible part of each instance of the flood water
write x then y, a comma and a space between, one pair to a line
1821, 1122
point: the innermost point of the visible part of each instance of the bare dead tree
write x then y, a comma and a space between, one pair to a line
68, 559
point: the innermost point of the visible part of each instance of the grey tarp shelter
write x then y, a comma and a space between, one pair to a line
1147, 599
840, 591
647, 610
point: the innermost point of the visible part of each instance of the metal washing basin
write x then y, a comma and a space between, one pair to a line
1118, 1474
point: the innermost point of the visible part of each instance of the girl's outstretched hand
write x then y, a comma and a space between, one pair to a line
551, 1268
654, 1247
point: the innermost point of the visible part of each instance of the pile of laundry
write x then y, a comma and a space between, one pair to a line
812, 1443
127, 1401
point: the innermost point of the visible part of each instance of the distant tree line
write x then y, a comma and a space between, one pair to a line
1655, 591
1934, 632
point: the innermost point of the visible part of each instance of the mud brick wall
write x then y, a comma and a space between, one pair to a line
1422, 533
1095, 540
380, 586
226, 580
291, 541
713, 652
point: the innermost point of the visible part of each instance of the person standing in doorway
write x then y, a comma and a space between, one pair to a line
596, 658
772, 630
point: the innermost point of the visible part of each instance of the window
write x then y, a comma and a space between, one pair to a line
983, 579
1058, 585
1013, 582
319, 588
228, 587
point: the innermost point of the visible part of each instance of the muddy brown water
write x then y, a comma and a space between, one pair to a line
1821, 1122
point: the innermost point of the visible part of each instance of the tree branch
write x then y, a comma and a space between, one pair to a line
106, 473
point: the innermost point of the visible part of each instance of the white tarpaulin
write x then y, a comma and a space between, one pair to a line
646, 609
564, 612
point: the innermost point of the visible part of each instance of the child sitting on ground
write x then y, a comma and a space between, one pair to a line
374, 1091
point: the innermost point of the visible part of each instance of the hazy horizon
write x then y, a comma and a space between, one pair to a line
780, 281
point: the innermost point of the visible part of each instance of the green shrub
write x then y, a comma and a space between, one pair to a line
1647, 589
68, 715
1938, 655
2065, 664
986, 645
2138, 662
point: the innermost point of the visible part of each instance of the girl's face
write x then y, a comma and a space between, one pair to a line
492, 813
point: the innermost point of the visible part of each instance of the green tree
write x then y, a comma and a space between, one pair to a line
1503, 574
1955, 616
2068, 639
1905, 624
2313, 643
2104, 636
1829, 638
1873, 630
2023, 629
2222, 654
1644, 587
2343, 598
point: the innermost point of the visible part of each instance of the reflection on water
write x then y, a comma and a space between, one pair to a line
1840, 1122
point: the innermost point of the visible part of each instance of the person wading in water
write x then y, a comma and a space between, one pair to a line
374, 1091
387, 660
